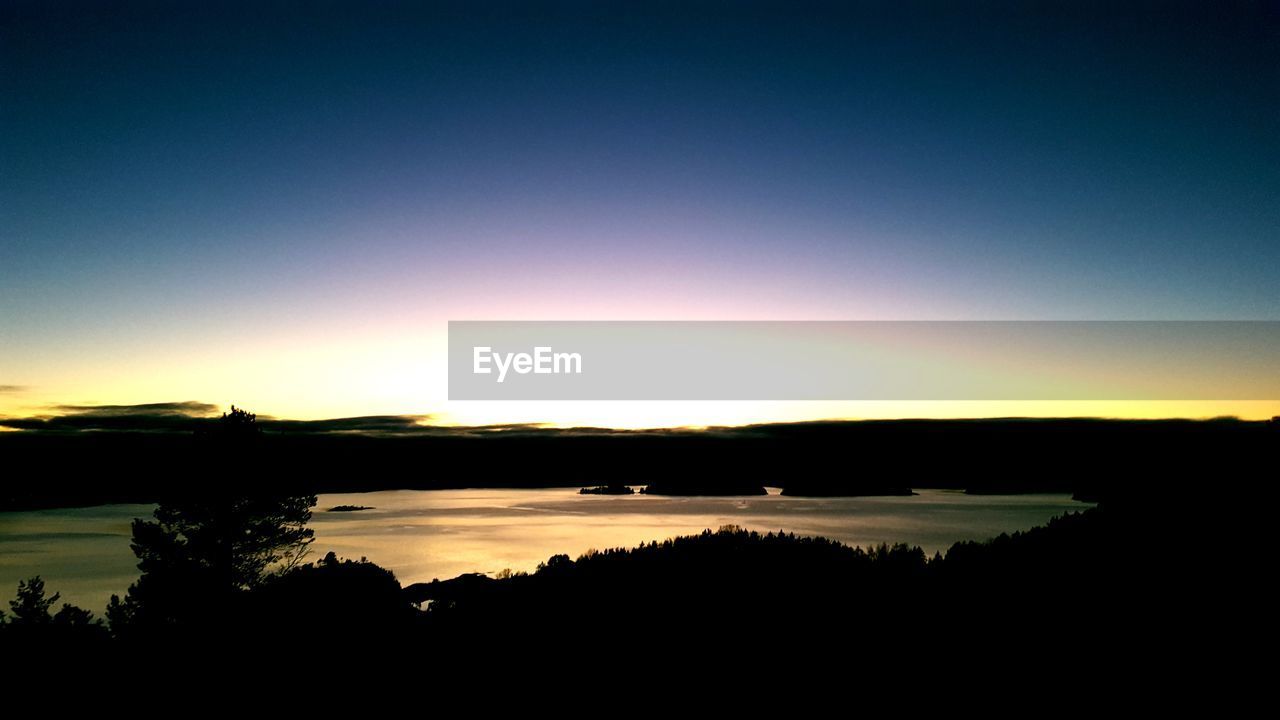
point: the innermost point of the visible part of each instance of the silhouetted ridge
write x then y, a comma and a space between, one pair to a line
820, 487
1084, 591
703, 487
607, 490
1094, 458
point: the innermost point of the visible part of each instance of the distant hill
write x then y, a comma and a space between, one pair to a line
843, 487
81, 465
703, 486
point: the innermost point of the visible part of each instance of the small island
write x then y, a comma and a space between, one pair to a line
607, 490
703, 488
349, 508
844, 489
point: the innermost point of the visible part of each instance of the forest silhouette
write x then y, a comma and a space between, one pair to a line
223, 563
1088, 571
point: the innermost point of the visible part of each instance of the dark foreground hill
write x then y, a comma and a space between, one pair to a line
792, 594
1095, 602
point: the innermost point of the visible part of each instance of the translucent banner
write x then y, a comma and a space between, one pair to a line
865, 360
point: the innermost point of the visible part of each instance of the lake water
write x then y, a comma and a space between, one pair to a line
84, 552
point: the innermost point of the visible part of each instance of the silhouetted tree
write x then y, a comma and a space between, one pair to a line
237, 424
203, 549
348, 601
31, 606
33, 622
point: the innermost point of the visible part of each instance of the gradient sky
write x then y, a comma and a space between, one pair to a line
283, 207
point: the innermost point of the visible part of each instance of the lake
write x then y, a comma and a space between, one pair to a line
423, 534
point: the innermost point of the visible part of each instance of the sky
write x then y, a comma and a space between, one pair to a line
281, 205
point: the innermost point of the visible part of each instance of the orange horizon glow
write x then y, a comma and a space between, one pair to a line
393, 369
700, 415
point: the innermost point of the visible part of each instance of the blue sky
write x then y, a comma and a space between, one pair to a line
308, 176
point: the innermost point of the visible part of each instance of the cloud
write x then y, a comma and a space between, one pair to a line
380, 424
186, 417
401, 425
189, 408
12, 389
155, 417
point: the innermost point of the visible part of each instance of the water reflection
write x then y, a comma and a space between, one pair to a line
84, 552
